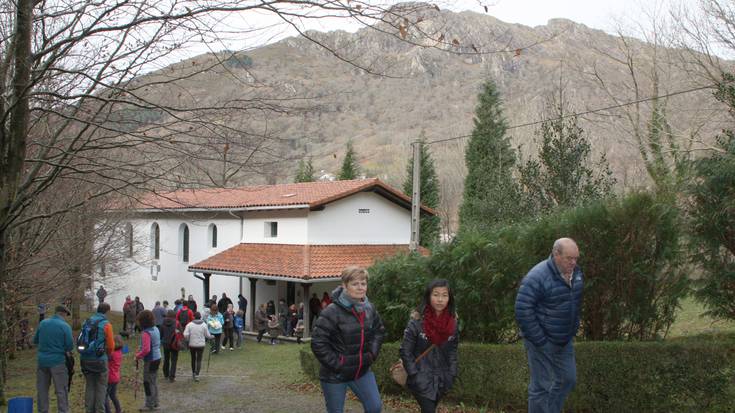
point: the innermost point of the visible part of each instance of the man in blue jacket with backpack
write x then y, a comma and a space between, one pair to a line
547, 311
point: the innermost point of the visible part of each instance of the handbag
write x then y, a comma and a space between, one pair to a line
398, 372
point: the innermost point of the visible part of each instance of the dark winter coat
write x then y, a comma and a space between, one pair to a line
547, 308
223, 303
168, 330
434, 374
346, 342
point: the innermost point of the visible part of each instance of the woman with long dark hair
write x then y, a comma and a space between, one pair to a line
432, 336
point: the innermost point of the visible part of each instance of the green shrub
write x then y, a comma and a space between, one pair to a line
692, 375
629, 254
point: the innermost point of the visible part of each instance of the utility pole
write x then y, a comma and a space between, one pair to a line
416, 197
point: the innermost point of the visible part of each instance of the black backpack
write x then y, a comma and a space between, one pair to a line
183, 318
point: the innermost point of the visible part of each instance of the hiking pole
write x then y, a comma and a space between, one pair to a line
209, 357
137, 383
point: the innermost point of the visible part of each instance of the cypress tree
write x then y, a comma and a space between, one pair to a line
490, 194
350, 168
305, 172
429, 227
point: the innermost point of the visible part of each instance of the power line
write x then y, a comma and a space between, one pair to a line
619, 105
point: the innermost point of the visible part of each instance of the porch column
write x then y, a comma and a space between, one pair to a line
252, 304
205, 281
307, 311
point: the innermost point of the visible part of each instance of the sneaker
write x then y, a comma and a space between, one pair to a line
172, 379
196, 378
223, 348
193, 377
231, 348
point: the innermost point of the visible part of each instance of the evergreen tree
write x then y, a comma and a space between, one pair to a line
305, 172
429, 226
350, 168
563, 175
712, 217
490, 193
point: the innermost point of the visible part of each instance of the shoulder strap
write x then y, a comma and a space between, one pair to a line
422, 355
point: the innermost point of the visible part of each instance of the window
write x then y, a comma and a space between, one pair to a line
271, 229
129, 239
213, 236
184, 242
155, 241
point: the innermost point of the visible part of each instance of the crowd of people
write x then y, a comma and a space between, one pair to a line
346, 340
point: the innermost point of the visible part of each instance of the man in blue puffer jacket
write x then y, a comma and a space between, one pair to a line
547, 311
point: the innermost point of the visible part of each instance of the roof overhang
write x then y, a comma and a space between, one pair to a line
267, 277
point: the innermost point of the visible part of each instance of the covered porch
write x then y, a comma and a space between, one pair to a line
293, 272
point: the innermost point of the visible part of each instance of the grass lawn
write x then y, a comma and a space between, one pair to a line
690, 321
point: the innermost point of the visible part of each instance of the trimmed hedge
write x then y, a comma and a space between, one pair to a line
687, 375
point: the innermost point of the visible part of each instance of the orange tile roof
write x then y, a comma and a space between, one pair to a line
313, 194
296, 260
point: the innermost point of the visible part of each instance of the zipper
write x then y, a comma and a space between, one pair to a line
361, 320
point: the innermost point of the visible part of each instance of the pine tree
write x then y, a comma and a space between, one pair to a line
305, 172
350, 168
429, 226
490, 193
563, 175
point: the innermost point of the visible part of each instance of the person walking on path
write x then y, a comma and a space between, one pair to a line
431, 331
93, 355
214, 323
196, 334
547, 311
159, 313
113, 378
346, 340
150, 353
54, 343
130, 312
101, 294
229, 327
261, 321
168, 330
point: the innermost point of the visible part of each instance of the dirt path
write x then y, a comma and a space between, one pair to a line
244, 381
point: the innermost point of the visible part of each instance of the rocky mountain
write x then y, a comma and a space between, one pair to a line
428, 83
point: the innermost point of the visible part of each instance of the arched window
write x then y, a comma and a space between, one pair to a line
184, 242
155, 241
129, 239
212, 236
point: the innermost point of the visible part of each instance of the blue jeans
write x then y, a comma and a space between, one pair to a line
365, 388
553, 376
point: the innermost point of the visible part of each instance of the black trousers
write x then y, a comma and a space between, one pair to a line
426, 405
170, 358
229, 337
214, 344
197, 353
260, 334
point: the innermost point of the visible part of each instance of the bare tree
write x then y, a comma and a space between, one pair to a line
79, 126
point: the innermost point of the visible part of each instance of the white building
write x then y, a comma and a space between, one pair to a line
265, 242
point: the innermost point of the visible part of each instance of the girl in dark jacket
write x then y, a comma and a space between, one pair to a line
433, 324
346, 340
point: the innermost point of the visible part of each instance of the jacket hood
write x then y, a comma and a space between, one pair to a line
198, 321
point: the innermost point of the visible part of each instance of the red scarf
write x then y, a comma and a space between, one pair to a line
438, 328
